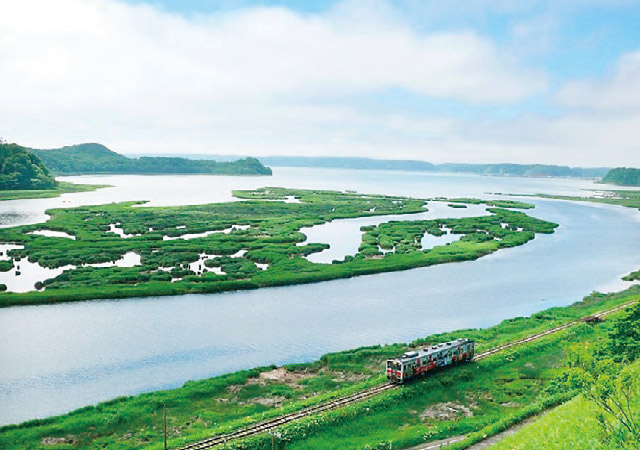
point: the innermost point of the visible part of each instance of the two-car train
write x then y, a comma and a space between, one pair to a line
415, 363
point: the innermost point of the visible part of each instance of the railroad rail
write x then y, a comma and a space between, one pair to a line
268, 425
273, 423
535, 337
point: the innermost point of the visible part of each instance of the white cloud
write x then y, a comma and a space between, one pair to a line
618, 92
100, 70
270, 81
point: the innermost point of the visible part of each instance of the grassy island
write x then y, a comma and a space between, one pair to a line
243, 245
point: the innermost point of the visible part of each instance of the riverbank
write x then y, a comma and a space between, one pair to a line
457, 401
63, 187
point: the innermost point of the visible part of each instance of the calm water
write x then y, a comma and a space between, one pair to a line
344, 236
60, 357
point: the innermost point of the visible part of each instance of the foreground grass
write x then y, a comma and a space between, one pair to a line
63, 187
569, 426
501, 387
262, 230
572, 425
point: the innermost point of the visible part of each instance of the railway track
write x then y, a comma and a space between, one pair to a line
268, 425
535, 337
273, 423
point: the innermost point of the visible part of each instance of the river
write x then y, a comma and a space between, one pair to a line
55, 358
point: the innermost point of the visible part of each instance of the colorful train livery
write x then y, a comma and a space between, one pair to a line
415, 363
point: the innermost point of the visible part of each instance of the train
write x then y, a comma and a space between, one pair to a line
419, 362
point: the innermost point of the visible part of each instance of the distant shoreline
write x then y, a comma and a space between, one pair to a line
355, 163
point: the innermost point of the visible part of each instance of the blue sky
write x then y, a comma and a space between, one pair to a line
458, 80
588, 36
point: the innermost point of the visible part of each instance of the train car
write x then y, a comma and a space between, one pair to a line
415, 363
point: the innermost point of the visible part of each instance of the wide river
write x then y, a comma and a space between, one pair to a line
56, 358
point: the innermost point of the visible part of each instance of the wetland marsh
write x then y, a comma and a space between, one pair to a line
82, 247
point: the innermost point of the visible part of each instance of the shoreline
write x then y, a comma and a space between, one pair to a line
64, 187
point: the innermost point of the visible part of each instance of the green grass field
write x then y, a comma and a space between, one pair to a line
569, 426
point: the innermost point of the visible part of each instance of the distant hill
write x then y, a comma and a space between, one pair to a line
348, 163
322, 161
98, 159
623, 176
514, 170
21, 169
525, 170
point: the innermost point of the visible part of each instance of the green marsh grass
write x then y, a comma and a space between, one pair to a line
270, 235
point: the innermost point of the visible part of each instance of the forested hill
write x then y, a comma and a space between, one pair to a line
96, 158
21, 169
623, 176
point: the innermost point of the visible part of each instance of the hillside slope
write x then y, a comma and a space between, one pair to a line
96, 158
21, 169
573, 425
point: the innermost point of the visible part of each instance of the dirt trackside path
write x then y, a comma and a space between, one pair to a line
488, 442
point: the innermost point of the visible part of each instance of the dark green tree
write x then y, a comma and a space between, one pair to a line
624, 344
20, 169
604, 377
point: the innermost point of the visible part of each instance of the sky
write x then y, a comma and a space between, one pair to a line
475, 81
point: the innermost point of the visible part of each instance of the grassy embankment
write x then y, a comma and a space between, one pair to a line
268, 234
473, 399
63, 187
573, 425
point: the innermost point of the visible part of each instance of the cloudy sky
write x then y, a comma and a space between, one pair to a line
443, 81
